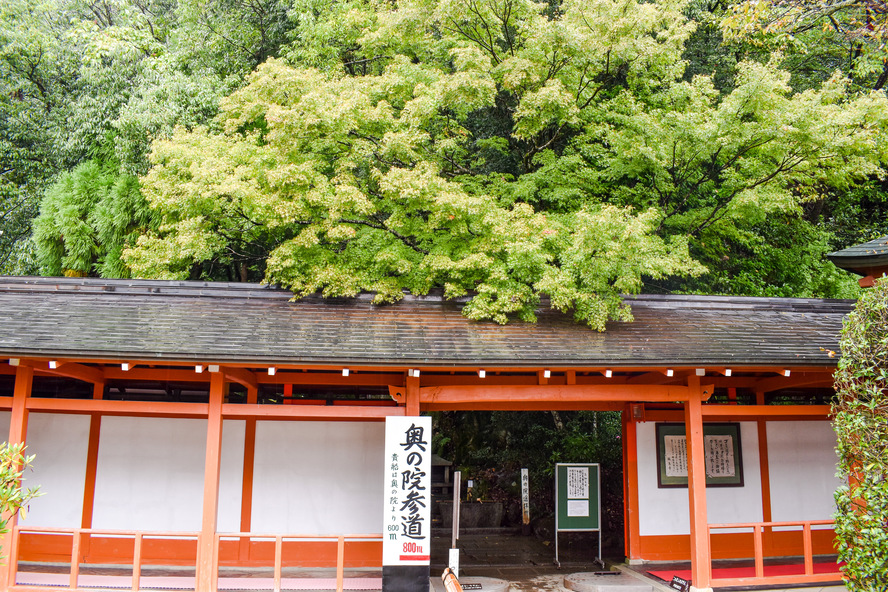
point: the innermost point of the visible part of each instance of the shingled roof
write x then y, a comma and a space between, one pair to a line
251, 323
861, 257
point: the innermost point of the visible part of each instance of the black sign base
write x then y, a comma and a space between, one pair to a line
680, 584
405, 578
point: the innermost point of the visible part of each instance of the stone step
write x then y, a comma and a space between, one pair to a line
612, 581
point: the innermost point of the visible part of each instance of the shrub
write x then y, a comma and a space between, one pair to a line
861, 424
13, 497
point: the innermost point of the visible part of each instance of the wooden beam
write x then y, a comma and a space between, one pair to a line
280, 377
554, 394
309, 412
157, 374
528, 406
663, 415
333, 379
240, 376
794, 380
68, 370
129, 408
80, 372
775, 411
657, 377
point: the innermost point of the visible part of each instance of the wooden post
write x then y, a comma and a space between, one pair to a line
92, 462
18, 422
246, 521
278, 560
757, 544
207, 558
18, 430
340, 562
137, 561
809, 548
74, 574
701, 556
630, 451
765, 471
412, 395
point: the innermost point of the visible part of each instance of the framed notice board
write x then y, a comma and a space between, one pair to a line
577, 499
721, 449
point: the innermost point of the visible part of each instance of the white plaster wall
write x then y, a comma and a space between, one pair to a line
802, 462
150, 474
318, 477
4, 425
665, 511
231, 475
151, 470
60, 443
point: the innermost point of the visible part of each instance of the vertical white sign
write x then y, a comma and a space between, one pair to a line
525, 497
408, 466
453, 561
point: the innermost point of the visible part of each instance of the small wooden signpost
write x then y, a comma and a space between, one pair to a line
680, 584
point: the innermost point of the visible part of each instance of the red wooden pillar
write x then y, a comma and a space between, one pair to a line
630, 473
92, 463
411, 395
764, 467
18, 430
701, 555
207, 558
246, 521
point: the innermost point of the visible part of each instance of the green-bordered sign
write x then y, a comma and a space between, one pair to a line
576, 492
577, 499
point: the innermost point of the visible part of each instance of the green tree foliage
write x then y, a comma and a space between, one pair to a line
504, 149
13, 497
861, 424
97, 80
86, 219
849, 32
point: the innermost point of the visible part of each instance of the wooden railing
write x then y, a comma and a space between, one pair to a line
760, 578
279, 546
77, 536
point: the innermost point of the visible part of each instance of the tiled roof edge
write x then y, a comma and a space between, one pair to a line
126, 287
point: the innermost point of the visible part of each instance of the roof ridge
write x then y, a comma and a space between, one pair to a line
191, 288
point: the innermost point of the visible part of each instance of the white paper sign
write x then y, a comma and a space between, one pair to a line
579, 508
408, 463
578, 483
719, 456
676, 457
